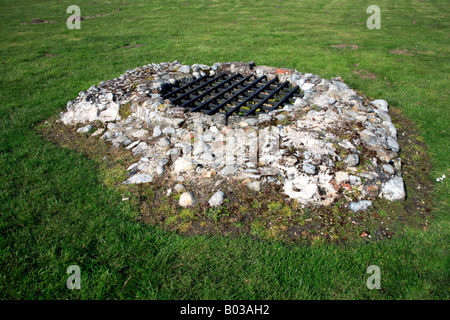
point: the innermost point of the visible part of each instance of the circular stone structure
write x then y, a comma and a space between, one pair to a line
320, 141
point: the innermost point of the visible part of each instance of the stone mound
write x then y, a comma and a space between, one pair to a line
330, 144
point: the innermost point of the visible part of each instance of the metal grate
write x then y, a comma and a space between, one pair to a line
233, 94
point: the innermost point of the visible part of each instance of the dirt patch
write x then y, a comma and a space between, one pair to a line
133, 46
345, 45
50, 55
38, 21
365, 74
401, 52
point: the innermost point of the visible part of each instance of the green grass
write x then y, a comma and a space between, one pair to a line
55, 211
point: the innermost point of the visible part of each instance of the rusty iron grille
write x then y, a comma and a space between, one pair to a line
233, 94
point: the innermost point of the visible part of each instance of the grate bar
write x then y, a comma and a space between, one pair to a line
249, 98
197, 88
184, 87
210, 90
224, 103
274, 92
201, 106
286, 97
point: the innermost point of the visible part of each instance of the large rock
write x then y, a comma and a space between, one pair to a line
394, 189
381, 104
187, 199
217, 199
184, 164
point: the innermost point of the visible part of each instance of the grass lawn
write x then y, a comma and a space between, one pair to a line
55, 211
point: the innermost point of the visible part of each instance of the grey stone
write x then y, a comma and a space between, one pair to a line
228, 170
264, 117
391, 128
97, 132
140, 133
280, 117
85, 129
160, 170
393, 144
126, 142
352, 160
309, 168
208, 137
207, 158
185, 69
168, 130
381, 105
251, 121
307, 86
156, 131
369, 138
163, 161
394, 189
355, 180
388, 169
139, 178
299, 102
173, 152
164, 142
140, 148
217, 199
340, 85
122, 139
132, 145
361, 205
384, 116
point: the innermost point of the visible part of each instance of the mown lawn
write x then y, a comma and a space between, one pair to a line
55, 211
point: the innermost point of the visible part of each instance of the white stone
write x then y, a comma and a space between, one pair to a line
168, 130
217, 199
394, 189
139, 178
85, 129
355, 180
141, 148
140, 133
187, 199
183, 164
381, 105
156, 131
185, 69
307, 86
341, 176
98, 132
